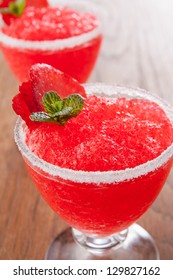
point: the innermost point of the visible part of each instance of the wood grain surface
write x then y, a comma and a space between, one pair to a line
137, 51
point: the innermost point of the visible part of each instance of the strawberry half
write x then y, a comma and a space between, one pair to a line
7, 18
10, 15
43, 78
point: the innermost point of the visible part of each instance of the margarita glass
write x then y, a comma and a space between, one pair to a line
101, 206
74, 55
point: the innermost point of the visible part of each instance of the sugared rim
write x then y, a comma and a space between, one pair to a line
99, 177
59, 44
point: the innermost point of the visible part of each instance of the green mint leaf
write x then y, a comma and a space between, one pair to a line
63, 112
63, 116
74, 101
41, 117
59, 110
15, 8
52, 102
4, 10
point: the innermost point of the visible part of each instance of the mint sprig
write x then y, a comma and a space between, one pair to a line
58, 110
14, 8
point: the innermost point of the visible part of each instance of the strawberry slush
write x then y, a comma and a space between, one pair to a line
104, 168
63, 37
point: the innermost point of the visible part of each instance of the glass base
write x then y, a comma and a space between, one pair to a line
132, 244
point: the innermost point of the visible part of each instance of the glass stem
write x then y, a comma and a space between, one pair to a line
99, 245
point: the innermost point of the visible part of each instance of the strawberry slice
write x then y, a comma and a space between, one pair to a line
43, 78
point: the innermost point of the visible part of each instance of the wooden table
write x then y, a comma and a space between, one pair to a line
137, 51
